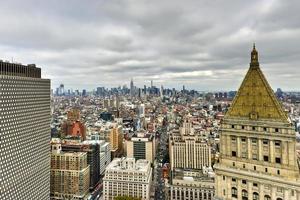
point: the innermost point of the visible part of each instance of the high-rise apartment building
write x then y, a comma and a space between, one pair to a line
257, 145
116, 140
24, 132
70, 174
93, 157
127, 177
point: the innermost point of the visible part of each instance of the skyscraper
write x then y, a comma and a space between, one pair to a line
24, 132
61, 89
161, 91
258, 155
131, 88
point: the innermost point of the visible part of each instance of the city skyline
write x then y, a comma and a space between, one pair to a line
202, 45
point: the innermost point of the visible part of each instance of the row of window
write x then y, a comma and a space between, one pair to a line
254, 168
254, 128
234, 194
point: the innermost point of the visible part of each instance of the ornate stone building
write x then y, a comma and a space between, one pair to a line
191, 184
257, 145
127, 177
188, 150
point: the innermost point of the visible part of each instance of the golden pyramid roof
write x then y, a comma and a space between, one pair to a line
255, 98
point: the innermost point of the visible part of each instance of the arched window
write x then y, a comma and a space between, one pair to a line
244, 195
234, 192
255, 196
267, 197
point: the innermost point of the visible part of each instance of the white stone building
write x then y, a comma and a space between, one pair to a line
188, 150
192, 184
127, 177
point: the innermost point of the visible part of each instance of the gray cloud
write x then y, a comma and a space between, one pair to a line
204, 45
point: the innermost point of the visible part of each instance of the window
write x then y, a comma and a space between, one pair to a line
244, 166
276, 130
254, 157
234, 192
266, 169
265, 142
254, 184
253, 128
233, 180
267, 197
244, 195
254, 167
278, 172
244, 181
255, 196
266, 158
233, 164
277, 143
243, 139
279, 189
244, 155
243, 127
232, 126
233, 153
254, 141
223, 178
278, 160
265, 129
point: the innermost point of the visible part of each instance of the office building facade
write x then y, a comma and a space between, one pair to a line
127, 177
24, 132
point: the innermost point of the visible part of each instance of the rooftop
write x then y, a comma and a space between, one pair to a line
125, 164
17, 69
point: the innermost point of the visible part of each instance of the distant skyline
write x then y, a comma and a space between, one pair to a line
204, 45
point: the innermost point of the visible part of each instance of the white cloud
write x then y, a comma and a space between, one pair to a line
202, 44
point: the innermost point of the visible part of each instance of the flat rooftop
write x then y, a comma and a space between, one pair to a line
17, 69
129, 164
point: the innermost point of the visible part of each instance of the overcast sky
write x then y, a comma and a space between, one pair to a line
204, 45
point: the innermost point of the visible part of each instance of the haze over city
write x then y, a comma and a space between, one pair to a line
203, 45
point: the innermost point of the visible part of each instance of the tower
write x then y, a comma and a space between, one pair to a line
131, 88
24, 132
257, 145
61, 89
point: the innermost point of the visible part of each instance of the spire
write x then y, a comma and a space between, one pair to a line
254, 57
255, 98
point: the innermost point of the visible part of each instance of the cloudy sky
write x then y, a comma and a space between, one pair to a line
203, 44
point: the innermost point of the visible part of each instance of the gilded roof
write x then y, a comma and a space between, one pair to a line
255, 98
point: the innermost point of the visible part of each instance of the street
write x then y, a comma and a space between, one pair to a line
161, 154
